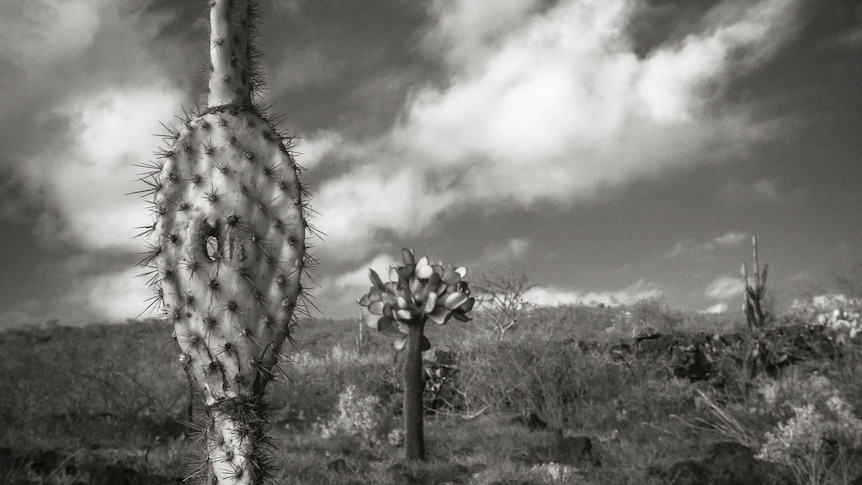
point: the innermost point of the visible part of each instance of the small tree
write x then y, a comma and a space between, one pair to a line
422, 292
502, 297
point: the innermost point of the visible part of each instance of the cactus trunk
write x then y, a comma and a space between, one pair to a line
752, 305
414, 386
230, 248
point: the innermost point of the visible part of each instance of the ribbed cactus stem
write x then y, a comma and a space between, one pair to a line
743, 271
230, 53
756, 261
752, 306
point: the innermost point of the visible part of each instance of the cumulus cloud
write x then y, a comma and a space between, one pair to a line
119, 295
341, 291
85, 119
506, 251
356, 206
700, 250
724, 287
88, 89
88, 177
550, 105
717, 308
554, 296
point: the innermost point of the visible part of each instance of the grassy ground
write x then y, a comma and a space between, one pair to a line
77, 400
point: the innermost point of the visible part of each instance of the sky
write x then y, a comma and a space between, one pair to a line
611, 150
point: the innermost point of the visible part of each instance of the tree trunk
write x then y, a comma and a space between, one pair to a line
414, 385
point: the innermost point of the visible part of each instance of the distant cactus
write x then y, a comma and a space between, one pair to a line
400, 309
229, 230
752, 306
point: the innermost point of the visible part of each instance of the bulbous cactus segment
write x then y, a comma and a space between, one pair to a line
229, 248
400, 309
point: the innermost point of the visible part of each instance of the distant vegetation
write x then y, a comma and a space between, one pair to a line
572, 394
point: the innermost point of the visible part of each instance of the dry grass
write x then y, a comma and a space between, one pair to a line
113, 394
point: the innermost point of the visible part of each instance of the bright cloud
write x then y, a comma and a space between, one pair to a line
553, 296
724, 287
548, 106
119, 295
357, 205
340, 292
717, 308
690, 247
506, 251
112, 131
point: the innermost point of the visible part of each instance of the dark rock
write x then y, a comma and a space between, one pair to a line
725, 463
646, 333
338, 465
43, 462
401, 473
116, 475
8, 461
531, 421
573, 450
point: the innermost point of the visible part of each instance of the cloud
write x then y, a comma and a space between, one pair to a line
553, 296
717, 308
341, 291
88, 177
118, 295
469, 33
763, 190
724, 287
550, 106
37, 33
698, 250
506, 251
357, 206
311, 151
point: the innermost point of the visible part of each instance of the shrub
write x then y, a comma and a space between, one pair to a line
815, 429
358, 415
554, 379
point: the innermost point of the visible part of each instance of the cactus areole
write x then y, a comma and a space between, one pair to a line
228, 247
423, 292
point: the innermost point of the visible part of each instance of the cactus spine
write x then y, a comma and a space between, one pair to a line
752, 306
423, 292
229, 230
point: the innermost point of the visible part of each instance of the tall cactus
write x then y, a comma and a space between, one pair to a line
228, 248
400, 309
752, 306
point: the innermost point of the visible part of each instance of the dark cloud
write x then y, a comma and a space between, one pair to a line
346, 65
659, 22
181, 19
